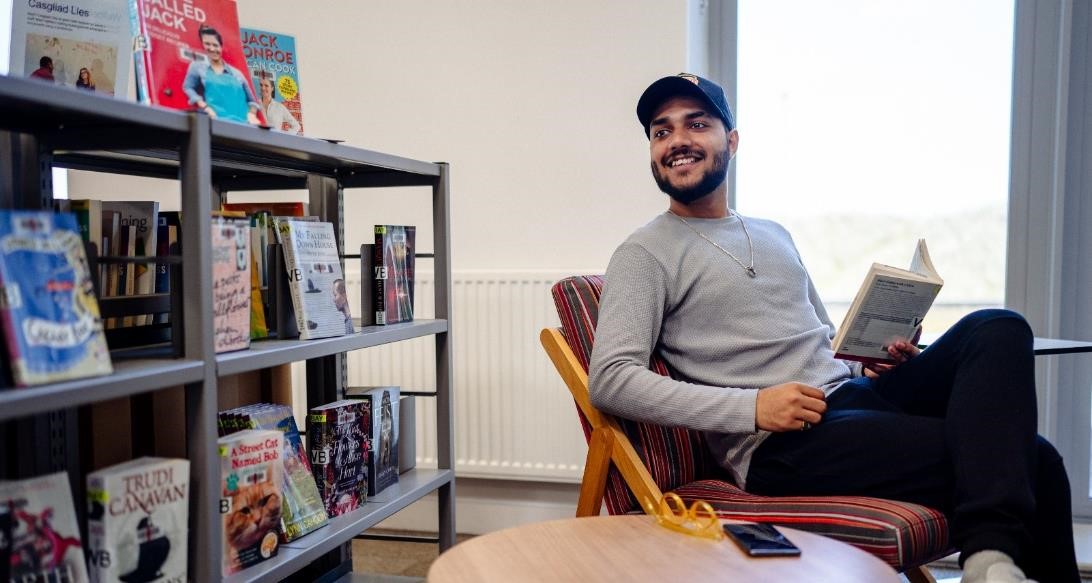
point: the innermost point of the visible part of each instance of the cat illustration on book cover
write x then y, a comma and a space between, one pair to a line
255, 515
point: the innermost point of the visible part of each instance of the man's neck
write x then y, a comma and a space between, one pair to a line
711, 206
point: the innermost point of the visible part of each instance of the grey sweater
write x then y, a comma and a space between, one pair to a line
723, 334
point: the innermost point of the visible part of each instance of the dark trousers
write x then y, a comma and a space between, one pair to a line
954, 429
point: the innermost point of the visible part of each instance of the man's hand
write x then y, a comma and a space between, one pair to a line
787, 406
900, 350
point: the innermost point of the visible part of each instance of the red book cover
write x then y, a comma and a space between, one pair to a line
189, 55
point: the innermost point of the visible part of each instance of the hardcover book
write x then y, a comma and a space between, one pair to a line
144, 217
338, 437
303, 510
315, 279
250, 496
80, 45
45, 538
383, 463
230, 284
52, 326
890, 306
271, 59
394, 258
188, 56
137, 516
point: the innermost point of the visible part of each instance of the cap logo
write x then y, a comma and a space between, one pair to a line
691, 78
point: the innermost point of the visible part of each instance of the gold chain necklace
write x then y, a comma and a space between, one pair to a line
750, 246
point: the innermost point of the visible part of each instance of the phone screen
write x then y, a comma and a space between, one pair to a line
761, 540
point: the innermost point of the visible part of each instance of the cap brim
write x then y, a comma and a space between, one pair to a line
663, 89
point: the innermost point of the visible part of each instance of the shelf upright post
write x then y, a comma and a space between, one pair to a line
445, 423
195, 173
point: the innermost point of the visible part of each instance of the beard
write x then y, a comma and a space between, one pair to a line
709, 182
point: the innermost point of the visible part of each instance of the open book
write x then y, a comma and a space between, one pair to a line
889, 306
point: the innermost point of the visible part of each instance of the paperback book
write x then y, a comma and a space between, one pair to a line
143, 217
319, 295
889, 306
338, 437
45, 538
271, 60
383, 463
84, 44
394, 258
52, 326
189, 56
303, 510
137, 516
250, 497
230, 284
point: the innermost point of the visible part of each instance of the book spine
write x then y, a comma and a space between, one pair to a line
295, 277
367, 287
141, 65
380, 276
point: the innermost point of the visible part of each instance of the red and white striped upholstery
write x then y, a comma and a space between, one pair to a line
902, 534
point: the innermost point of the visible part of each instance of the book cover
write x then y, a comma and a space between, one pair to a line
303, 510
230, 284
383, 463
394, 259
337, 434
271, 60
52, 326
81, 45
889, 306
5, 540
144, 216
281, 209
250, 497
315, 278
188, 55
137, 516
45, 538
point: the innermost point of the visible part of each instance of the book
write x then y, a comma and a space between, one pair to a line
88, 216
367, 284
303, 510
250, 496
282, 209
890, 305
258, 327
337, 436
137, 516
230, 284
318, 289
271, 60
45, 538
394, 258
181, 49
144, 216
50, 316
84, 45
169, 224
383, 463
6, 520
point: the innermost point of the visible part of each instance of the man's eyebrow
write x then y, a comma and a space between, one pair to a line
692, 115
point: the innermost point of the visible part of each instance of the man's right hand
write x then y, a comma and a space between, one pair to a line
787, 406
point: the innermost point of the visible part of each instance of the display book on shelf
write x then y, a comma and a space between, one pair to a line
149, 377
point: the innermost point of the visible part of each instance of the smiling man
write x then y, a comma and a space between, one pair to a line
728, 304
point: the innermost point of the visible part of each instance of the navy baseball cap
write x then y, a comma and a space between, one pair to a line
684, 84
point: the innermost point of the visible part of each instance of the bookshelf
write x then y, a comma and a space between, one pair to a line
46, 126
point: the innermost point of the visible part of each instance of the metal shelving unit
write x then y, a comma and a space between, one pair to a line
45, 126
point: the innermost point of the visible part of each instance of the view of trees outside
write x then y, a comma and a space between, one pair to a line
868, 124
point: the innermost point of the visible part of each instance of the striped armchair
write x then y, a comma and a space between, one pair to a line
629, 461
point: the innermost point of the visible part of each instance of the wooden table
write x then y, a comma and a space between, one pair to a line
635, 548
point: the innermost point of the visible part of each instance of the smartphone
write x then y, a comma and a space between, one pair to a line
761, 540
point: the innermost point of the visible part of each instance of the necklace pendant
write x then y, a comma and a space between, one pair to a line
751, 272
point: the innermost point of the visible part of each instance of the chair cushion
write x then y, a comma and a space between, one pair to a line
902, 534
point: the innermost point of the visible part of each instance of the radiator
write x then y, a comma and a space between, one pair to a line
514, 418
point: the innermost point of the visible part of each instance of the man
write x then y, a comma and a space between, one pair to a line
44, 70
728, 304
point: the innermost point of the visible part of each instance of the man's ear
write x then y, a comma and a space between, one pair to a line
733, 143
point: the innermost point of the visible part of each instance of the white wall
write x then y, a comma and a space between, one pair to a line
532, 103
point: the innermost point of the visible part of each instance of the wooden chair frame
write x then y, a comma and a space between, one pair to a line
609, 444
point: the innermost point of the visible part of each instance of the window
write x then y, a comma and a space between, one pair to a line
865, 125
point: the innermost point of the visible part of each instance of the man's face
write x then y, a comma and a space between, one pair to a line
690, 149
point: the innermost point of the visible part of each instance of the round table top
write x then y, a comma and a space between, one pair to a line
634, 548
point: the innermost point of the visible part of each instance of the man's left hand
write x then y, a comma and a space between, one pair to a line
900, 350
